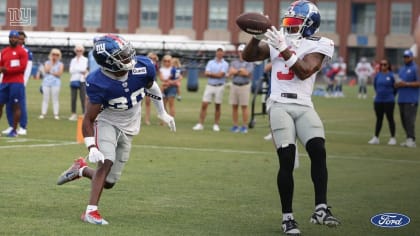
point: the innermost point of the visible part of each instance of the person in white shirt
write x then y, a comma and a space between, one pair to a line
78, 71
363, 70
296, 57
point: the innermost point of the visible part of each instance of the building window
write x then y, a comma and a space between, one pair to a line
218, 14
183, 14
254, 6
60, 13
121, 20
149, 13
363, 18
92, 13
33, 5
401, 18
327, 10
3, 12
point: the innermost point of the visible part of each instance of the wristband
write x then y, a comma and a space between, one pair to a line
90, 142
292, 60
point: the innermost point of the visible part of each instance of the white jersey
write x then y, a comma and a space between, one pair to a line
363, 70
340, 67
284, 82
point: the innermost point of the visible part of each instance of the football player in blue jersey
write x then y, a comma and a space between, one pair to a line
113, 114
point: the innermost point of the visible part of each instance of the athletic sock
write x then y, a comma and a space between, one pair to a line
288, 216
91, 208
322, 205
81, 171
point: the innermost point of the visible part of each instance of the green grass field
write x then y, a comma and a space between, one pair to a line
207, 183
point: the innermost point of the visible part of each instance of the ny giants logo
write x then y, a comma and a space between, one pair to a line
19, 16
100, 48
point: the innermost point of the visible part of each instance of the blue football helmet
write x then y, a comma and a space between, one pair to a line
301, 20
113, 53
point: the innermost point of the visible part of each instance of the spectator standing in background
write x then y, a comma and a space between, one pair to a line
13, 61
168, 84
216, 72
384, 102
363, 70
340, 67
91, 62
53, 69
78, 71
240, 90
9, 107
176, 74
408, 97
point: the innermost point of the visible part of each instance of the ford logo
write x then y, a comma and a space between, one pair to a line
390, 220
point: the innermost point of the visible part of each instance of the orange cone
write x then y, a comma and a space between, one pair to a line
79, 135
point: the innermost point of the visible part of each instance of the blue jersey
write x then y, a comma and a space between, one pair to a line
384, 87
29, 52
408, 73
120, 97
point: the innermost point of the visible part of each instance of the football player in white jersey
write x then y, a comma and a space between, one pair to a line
363, 70
112, 118
296, 57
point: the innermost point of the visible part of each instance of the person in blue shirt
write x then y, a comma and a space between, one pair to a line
408, 97
216, 71
92, 65
384, 102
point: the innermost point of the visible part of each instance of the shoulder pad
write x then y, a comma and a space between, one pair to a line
314, 38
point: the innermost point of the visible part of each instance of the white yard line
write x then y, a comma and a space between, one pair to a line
268, 153
273, 154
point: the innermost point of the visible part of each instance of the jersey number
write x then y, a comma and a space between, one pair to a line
285, 74
122, 103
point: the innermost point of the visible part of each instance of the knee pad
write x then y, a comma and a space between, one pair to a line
316, 142
316, 148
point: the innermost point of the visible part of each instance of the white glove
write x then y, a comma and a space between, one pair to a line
276, 38
95, 155
169, 120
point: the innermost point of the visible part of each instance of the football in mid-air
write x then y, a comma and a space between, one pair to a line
253, 22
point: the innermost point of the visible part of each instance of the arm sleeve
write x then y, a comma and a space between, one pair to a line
157, 103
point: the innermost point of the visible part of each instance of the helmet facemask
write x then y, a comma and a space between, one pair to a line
123, 59
293, 27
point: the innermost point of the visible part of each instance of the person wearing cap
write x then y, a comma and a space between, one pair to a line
216, 71
13, 61
241, 72
9, 111
408, 97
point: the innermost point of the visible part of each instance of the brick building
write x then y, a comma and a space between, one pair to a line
371, 28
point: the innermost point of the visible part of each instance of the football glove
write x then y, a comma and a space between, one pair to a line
169, 120
276, 38
95, 155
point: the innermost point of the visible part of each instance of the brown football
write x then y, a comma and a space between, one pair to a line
253, 22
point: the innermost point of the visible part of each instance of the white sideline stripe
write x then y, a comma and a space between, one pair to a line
272, 153
221, 150
39, 145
